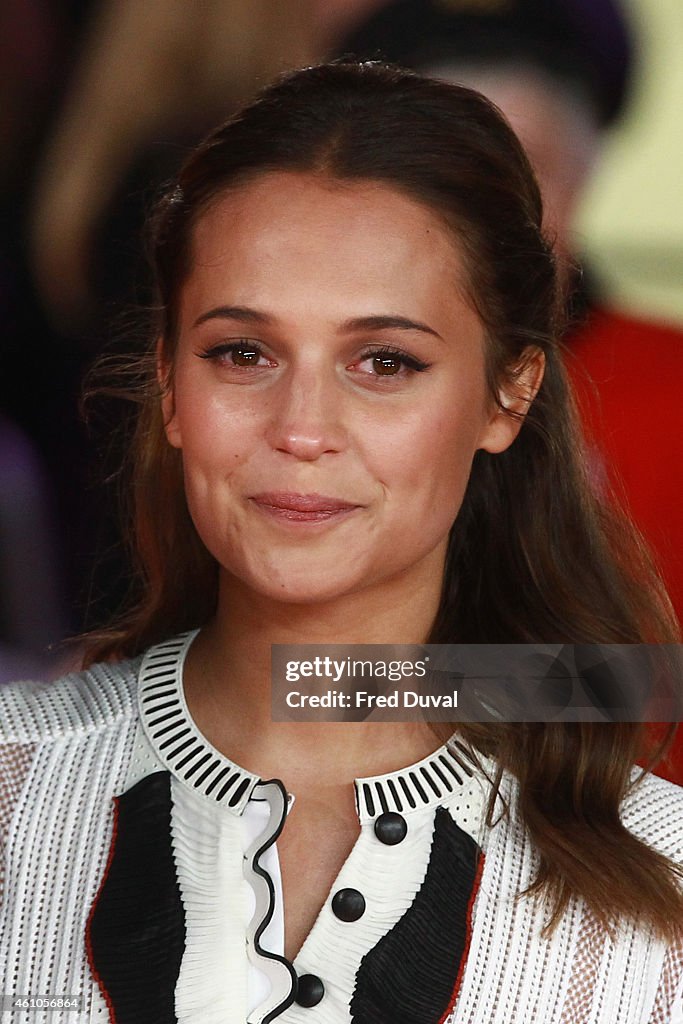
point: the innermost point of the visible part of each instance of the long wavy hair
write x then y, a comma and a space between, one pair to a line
534, 555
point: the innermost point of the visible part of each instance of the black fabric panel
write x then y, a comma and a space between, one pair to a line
409, 976
137, 927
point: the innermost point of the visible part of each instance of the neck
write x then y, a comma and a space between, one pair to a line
228, 678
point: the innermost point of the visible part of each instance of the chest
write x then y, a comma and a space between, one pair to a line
312, 849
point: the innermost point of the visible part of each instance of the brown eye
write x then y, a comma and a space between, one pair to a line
245, 356
386, 366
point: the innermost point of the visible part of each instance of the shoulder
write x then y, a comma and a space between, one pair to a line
653, 810
81, 702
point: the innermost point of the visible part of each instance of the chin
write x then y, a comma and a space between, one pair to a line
301, 577
295, 585
304, 592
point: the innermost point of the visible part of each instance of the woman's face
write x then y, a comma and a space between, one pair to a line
329, 387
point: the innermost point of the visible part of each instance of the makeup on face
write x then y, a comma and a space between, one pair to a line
329, 386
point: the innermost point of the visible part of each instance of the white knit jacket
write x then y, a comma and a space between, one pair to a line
67, 749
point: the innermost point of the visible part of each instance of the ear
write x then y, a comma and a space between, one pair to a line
167, 395
515, 396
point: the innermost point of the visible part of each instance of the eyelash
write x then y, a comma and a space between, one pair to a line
386, 352
381, 352
226, 347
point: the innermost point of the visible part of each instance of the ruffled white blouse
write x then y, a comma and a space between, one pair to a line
139, 874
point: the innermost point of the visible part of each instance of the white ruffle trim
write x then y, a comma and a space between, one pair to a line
212, 983
232, 968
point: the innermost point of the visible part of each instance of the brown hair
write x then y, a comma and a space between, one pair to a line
533, 556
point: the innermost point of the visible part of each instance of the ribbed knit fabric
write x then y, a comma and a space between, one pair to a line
442, 937
60, 825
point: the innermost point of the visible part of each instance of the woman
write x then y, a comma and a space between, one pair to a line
354, 428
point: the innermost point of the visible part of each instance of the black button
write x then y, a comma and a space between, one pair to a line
309, 990
348, 904
391, 828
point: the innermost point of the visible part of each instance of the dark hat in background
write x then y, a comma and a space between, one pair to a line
583, 43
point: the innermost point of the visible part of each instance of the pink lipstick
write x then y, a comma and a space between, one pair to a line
302, 508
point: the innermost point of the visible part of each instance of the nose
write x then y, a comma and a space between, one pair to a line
306, 417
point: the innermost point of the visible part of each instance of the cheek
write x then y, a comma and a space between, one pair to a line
449, 463
429, 459
441, 439
214, 446
212, 433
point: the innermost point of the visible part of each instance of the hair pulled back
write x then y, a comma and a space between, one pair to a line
534, 555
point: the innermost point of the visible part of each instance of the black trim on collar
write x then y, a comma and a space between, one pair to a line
195, 762
427, 783
175, 738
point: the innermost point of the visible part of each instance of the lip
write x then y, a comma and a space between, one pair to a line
308, 508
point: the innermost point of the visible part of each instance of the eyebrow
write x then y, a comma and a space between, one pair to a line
383, 323
242, 313
247, 315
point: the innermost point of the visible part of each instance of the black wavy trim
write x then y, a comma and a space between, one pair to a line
137, 928
410, 975
260, 870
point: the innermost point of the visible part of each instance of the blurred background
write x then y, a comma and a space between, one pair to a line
102, 98
631, 219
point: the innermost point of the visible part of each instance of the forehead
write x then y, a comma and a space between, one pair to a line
305, 231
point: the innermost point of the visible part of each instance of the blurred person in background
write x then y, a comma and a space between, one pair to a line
150, 80
560, 71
